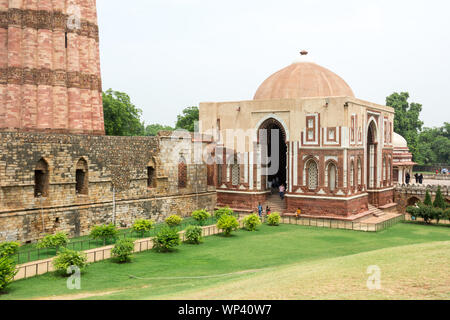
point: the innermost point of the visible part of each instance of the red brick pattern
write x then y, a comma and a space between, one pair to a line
44, 86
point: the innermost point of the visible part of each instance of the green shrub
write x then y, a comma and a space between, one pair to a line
104, 232
174, 221
421, 211
274, 219
201, 216
447, 214
439, 201
413, 211
123, 250
166, 240
221, 211
142, 226
228, 224
252, 222
8, 249
428, 201
193, 234
57, 240
67, 258
7, 272
437, 214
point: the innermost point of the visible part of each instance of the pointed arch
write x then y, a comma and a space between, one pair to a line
372, 142
311, 170
332, 175
182, 173
82, 177
41, 179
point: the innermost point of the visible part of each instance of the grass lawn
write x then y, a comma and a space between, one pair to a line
286, 262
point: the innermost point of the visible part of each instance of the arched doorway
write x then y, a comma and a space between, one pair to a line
272, 138
372, 156
413, 201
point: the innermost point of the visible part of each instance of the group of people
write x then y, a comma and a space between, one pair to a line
260, 210
418, 177
275, 184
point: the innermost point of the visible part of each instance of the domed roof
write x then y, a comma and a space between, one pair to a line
398, 141
303, 79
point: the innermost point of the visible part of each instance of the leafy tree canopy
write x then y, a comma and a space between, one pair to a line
122, 118
153, 129
407, 122
187, 119
434, 145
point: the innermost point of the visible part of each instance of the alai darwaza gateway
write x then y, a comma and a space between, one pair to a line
332, 151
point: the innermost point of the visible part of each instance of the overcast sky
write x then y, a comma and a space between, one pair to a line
171, 54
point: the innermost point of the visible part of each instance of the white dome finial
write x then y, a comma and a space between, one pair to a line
302, 58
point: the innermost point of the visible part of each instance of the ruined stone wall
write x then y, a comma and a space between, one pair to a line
117, 166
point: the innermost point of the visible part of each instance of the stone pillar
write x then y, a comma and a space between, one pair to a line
3, 62
29, 51
44, 85
14, 87
60, 96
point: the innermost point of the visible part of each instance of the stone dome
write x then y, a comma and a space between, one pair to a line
303, 79
398, 141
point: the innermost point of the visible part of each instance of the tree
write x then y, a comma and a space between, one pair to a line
166, 240
274, 219
7, 272
153, 129
439, 201
142, 226
54, 241
406, 122
201, 216
68, 258
434, 145
193, 234
187, 119
8, 249
428, 201
122, 118
123, 250
228, 224
104, 232
252, 222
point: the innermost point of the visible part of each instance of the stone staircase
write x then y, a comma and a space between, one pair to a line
376, 212
275, 204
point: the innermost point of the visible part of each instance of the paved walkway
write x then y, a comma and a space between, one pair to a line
375, 220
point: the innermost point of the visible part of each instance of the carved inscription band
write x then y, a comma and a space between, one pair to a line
42, 19
61, 78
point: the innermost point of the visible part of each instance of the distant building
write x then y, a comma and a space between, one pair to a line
403, 162
335, 151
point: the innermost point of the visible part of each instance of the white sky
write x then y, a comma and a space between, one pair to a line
171, 54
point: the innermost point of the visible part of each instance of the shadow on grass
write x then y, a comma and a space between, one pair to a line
422, 223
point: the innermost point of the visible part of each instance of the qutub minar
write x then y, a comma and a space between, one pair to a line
59, 172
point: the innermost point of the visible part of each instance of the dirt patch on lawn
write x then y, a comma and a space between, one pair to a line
86, 295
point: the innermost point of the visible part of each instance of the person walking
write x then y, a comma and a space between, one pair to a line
282, 190
421, 178
260, 210
268, 211
417, 178
408, 178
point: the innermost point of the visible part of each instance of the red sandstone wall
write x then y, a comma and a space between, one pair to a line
327, 207
45, 86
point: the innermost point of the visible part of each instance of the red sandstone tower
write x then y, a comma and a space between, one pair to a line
50, 67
